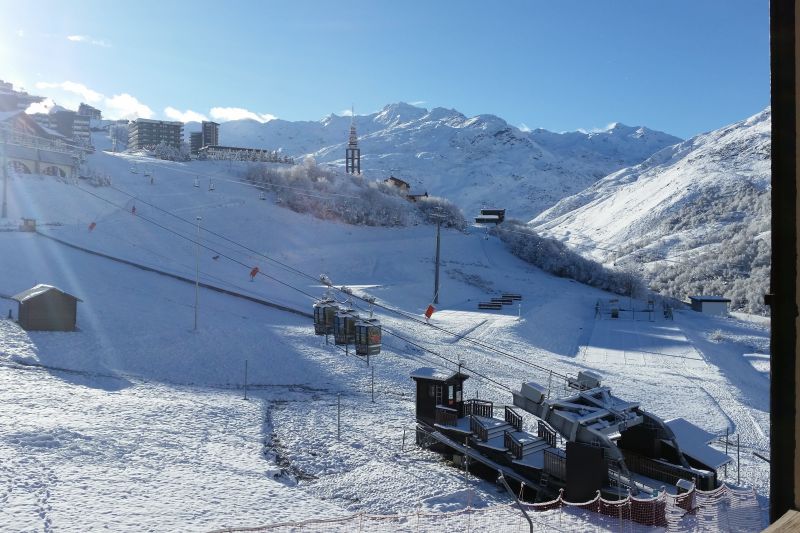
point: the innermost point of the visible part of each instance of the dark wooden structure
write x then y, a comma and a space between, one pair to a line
491, 216
397, 182
46, 308
437, 388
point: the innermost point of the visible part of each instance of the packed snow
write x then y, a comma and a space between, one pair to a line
137, 422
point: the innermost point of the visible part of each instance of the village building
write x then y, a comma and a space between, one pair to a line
491, 216
195, 141
210, 133
86, 110
66, 123
397, 182
46, 308
30, 148
353, 152
710, 305
11, 100
236, 153
146, 134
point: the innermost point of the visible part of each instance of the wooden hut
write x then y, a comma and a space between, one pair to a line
491, 216
710, 305
438, 388
46, 308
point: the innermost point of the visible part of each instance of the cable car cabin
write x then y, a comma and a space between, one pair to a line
438, 388
324, 313
344, 327
368, 337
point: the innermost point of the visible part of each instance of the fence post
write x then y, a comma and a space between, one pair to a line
338, 416
726, 450
373, 384
403, 447
738, 462
245, 379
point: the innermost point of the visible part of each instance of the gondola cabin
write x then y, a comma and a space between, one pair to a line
324, 314
344, 326
437, 387
368, 337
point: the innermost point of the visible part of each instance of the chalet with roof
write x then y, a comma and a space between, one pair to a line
397, 182
47, 308
710, 305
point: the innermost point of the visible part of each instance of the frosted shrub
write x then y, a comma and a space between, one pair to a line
733, 262
716, 336
554, 257
309, 188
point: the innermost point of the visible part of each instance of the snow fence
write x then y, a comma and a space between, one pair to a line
723, 509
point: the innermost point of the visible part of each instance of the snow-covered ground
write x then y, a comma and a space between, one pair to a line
145, 426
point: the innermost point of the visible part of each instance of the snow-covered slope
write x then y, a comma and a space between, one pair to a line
474, 161
703, 202
137, 422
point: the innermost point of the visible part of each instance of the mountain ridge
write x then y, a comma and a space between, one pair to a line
470, 160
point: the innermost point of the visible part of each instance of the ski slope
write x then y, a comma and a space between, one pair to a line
137, 422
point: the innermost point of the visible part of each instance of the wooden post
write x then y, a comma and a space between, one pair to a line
245, 379
726, 449
738, 462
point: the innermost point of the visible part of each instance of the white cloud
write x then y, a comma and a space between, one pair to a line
418, 103
184, 116
523, 127
225, 114
41, 107
75, 88
346, 112
126, 106
88, 40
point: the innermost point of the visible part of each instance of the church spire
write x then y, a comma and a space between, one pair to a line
353, 152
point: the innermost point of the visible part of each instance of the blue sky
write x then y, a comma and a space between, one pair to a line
683, 67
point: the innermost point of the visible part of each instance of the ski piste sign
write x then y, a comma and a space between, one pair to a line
429, 311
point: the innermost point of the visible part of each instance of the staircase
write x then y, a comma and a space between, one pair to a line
487, 429
521, 448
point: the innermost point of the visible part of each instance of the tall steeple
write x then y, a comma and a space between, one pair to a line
353, 152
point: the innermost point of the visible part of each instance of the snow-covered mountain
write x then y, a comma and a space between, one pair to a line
474, 161
696, 213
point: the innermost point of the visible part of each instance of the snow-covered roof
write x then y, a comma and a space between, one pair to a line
39, 290
437, 374
694, 443
709, 298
